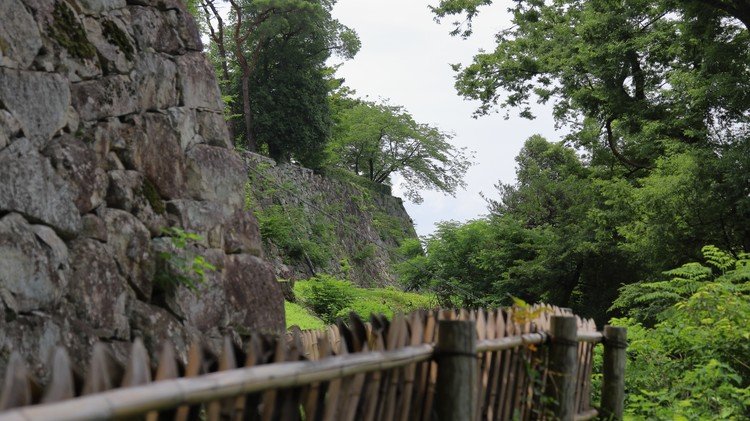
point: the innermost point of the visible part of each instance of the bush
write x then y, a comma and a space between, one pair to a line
325, 295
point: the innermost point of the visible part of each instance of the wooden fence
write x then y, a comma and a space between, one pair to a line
533, 363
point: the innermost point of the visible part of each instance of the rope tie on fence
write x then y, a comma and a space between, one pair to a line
615, 343
564, 341
440, 354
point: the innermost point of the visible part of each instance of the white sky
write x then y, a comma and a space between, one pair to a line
405, 57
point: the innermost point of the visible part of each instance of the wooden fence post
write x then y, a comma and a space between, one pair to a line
456, 353
563, 365
613, 384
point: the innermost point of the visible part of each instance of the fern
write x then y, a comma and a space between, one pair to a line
651, 302
718, 258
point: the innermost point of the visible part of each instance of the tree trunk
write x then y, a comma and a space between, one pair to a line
247, 114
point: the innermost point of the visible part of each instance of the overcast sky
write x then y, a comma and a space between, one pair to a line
405, 57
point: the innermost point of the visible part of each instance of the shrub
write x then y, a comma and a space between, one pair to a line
325, 295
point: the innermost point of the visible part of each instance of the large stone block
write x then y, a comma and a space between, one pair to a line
132, 192
197, 83
93, 227
112, 42
30, 186
20, 40
203, 218
98, 6
155, 325
213, 129
183, 119
216, 174
180, 19
100, 293
110, 96
253, 294
129, 241
36, 335
158, 154
204, 307
66, 49
33, 263
154, 30
124, 186
39, 101
242, 234
156, 78
113, 135
10, 127
76, 163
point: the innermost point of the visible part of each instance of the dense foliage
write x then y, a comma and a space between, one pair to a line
657, 98
699, 344
284, 101
548, 238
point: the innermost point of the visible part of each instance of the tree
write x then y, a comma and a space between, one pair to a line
267, 42
631, 77
291, 86
377, 140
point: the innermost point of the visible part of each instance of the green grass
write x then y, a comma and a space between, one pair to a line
387, 301
329, 298
300, 316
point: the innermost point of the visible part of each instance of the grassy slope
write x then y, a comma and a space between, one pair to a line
333, 298
300, 316
388, 301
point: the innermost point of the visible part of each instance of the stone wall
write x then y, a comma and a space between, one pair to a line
111, 130
339, 228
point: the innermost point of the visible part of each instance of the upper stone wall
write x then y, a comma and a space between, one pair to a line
337, 227
111, 130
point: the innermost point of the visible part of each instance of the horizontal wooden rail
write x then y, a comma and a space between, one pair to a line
501, 344
588, 415
590, 337
134, 401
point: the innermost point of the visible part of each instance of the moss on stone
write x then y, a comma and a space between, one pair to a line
69, 33
153, 197
117, 37
3, 46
